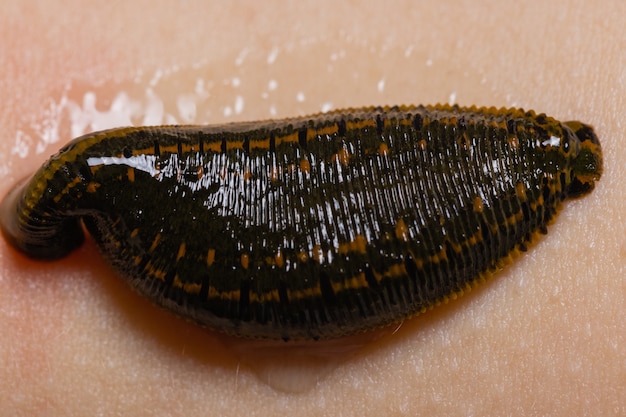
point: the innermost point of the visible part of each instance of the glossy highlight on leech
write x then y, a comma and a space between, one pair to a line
310, 227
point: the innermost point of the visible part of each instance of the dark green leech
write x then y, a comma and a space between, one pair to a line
311, 227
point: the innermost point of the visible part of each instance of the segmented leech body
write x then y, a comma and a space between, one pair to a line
309, 227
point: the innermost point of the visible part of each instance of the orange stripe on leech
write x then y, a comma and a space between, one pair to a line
360, 124
154, 273
188, 287
66, 190
192, 288
92, 187
329, 130
402, 231
210, 257
234, 295
407, 121
306, 293
302, 257
520, 191
279, 259
155, 242
342, 156
357, 282
395, 270
215, 147
270, 296
234, 144
478, 205
513, 141
181, 251
275, 173
262, 144
134, 233
474, 239
95, 168
515, 218
291, 138
440, 256
245, 260
305, 166
172, 149
317, 254
534, 205
457, 248
358, 245
291, 168
177, 283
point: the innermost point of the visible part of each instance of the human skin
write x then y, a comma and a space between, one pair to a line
545, 336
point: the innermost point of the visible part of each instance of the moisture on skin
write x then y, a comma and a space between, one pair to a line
310, 227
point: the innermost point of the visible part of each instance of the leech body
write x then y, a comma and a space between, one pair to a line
310, 227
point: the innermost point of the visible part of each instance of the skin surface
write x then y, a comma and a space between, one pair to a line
545, 336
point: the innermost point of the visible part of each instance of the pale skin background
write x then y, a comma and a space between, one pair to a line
546, 336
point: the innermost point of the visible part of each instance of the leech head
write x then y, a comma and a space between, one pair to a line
587, 164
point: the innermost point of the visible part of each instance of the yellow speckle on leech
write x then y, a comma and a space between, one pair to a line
478, 205
245, 260
305, 166
274, 173
317, 254
279, 259
342, 156
303, 257
520, 191
402, 231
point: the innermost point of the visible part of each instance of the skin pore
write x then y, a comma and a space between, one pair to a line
545, 336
